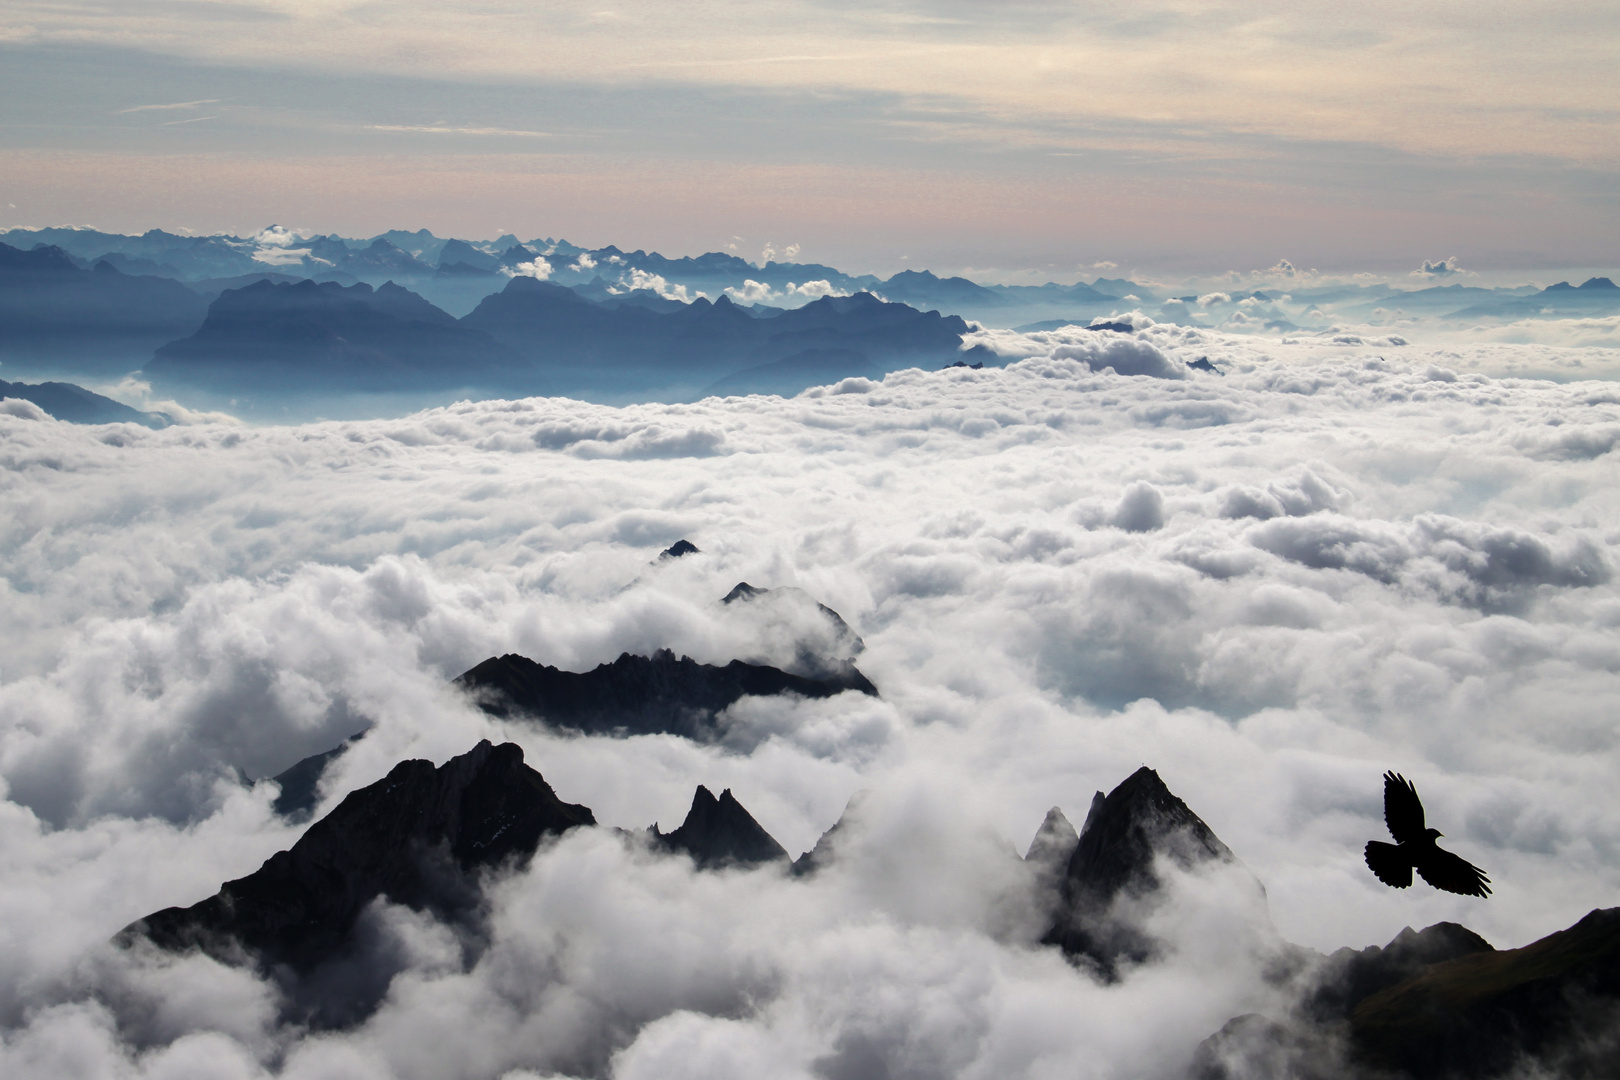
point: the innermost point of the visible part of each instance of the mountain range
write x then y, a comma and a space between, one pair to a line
285, 325
1434, 1005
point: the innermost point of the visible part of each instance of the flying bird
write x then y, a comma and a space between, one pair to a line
1415, 849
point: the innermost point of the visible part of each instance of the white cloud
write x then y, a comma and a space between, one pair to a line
539, 269
757, 292
1270, 585
1438, 269
641, 279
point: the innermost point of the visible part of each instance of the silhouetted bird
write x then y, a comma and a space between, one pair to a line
1415, 849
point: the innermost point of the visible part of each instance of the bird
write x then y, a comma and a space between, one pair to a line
1415, 849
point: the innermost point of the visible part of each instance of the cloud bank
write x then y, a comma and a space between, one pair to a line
1270, 585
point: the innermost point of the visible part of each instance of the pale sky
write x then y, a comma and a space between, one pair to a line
1187, 134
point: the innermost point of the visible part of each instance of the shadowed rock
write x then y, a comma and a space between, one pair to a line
1349, 976
677, 549
419, 837
1550, 1008
638, 695
1054, 841
1135, 823
300, 783
827, 654
719, 832
822, 854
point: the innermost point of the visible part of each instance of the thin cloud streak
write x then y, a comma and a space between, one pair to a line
175, 105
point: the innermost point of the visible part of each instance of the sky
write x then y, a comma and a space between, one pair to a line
1187, 135
1271, 586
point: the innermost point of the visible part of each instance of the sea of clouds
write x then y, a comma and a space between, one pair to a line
1270, 585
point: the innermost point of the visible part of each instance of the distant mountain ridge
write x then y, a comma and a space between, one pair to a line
103, 320
76, 405
273, 338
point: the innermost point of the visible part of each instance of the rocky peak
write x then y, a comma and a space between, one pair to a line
720, 832
418, 837
1136, 823
1054, 841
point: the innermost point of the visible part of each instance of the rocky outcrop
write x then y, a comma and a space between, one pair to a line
826, 647
300, 782
418, 837
678, 549
1550, 1008
1441, 1004
1348, 977
638, 695
719, 833
1136, 823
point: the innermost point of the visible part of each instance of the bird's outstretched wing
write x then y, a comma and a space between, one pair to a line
1389, 863
1403, 810
1453, 873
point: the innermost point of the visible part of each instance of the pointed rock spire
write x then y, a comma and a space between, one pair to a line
720, 832
1125, 831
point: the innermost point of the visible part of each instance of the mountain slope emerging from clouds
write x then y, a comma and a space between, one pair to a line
417, 837
639, 695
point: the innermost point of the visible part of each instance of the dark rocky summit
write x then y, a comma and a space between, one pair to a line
638, 695
419, 837
1124, 832
678, 549
1349, 976
829, 655
1553, 1005
719, 833
1441, 1004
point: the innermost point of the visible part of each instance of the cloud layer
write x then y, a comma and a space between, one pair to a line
1270, 585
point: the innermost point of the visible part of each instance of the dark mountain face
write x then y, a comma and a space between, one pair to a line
56, 316
637, 695
1135, 823
1553, 1005
719, 833
277, 338
1348, 977
419, 837
76, 405
300, 783
826, 652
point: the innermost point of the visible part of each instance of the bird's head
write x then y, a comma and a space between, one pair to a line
1433, 833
